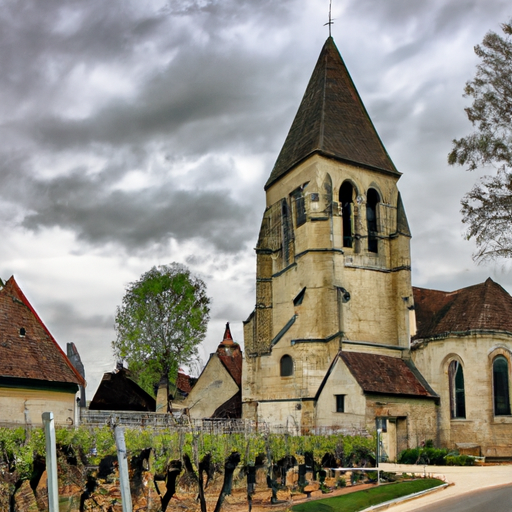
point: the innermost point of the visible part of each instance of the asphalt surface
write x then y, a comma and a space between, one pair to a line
465, 480
497, 499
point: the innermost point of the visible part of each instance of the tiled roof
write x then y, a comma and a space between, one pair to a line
233, 364
117, 392
484, 306
183, 382
386, 375
333, 121
27, 349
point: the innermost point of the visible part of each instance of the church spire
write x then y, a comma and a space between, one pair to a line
332, 121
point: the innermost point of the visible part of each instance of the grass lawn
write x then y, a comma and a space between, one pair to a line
360, 500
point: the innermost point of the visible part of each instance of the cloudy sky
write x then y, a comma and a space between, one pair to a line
136, 133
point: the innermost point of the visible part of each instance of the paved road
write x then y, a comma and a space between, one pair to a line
497, 499
464, 479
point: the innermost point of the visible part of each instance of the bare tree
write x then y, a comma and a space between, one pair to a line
487, 208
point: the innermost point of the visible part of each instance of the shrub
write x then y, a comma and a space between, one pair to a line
341, 482
433, 456
459, 460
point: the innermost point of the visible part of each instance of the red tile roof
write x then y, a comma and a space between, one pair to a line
183, 382
332, 121
484, 306
231, 356
386, 375
27, 349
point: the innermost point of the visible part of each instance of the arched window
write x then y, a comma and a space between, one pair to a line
347, 213
286, 366
500, 386
457, 396
372, 200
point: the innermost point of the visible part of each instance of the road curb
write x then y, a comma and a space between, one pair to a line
409, 497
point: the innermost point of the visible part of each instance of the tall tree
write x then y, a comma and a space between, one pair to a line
162, 320
487, 208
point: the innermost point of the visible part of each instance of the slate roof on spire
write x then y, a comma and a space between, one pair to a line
230, 356
481, 307
332, 121
228, 339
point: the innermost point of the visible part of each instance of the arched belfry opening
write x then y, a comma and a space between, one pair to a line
372, 201
347, 213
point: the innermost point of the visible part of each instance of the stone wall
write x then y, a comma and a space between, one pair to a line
476, 353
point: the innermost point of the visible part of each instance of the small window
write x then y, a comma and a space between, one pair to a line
347, 213
286, 366
457, 393
340, 403
500, 387
372, 200
22, 332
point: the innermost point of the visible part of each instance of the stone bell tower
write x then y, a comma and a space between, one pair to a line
333, 254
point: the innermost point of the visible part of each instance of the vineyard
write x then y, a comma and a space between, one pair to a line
166, 464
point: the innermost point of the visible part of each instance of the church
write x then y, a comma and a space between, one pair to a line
339, 338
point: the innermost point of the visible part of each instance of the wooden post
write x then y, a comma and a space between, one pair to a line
124, 480
51, 462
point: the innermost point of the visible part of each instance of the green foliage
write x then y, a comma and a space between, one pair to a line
16, 452
431, 456
341, 482
486, 208
92, 445
10, 442
162, 320
460, 460
364, 499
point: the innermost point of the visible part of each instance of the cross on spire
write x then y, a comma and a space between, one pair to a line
331, 21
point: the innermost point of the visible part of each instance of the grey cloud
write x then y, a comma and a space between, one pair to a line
62, 313
138, 219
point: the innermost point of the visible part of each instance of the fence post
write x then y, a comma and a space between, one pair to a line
124, 480
51, 462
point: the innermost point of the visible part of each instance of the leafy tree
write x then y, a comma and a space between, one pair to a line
487, 208
162, 320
